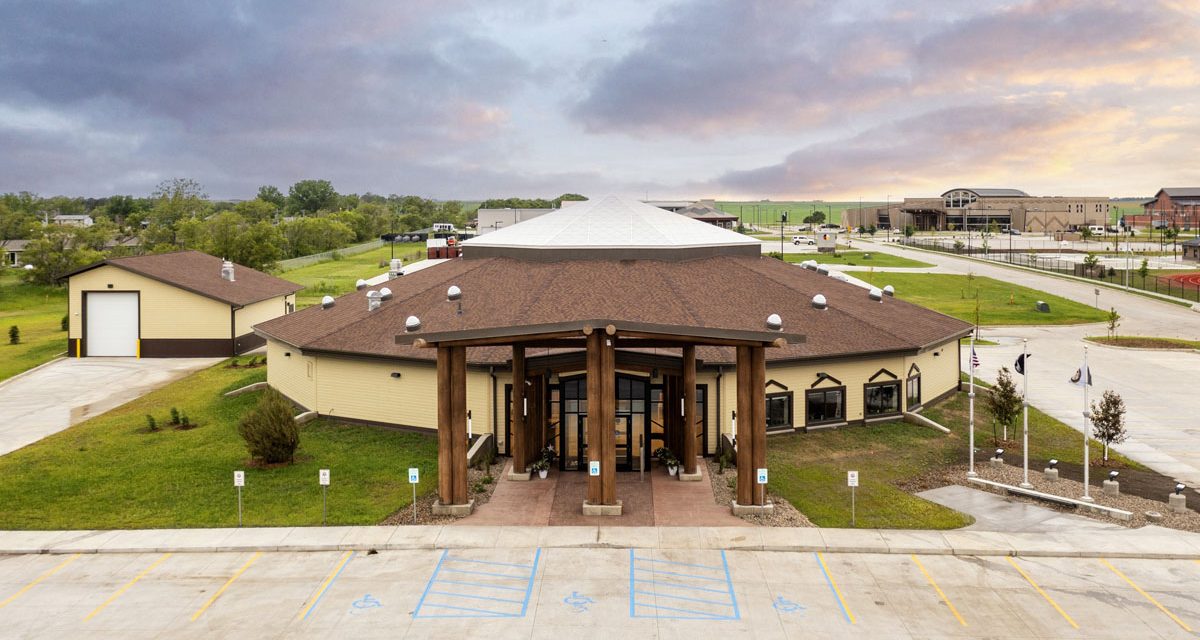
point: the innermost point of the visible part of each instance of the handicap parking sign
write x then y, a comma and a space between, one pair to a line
762, 476
594, 468
414, 475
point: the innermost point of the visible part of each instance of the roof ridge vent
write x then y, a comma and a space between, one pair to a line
327, 302
889, 291
385, 294
823, 269
875, 294
774, 322
360, 285
818, 302
412, 324
811, 265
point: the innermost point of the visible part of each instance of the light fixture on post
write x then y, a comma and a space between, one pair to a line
1112, 488
1051, 470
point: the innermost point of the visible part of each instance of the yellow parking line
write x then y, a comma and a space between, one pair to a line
126, 587
836, 591
325, 585
1043, 593
940, 593
38, 580
225, 586
1146, 595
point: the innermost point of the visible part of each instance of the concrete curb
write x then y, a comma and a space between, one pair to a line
1148, 542
1113, 346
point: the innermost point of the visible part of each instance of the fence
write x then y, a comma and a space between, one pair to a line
1102, 273
304, 261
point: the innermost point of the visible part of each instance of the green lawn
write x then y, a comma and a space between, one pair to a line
857, 258
954, 295
112, 472
810, 471
769, 212
38, 312
336, 277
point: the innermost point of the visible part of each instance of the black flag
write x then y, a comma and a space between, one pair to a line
1019, 365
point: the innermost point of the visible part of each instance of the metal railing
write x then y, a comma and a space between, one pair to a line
304, 261
1101, 272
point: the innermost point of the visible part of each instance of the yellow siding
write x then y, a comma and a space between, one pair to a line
290, 374
166, 311
250, 315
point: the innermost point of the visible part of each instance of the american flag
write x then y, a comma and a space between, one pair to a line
974, 359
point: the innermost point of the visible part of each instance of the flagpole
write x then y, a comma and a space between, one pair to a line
1084, 374
971, 415
1025, 407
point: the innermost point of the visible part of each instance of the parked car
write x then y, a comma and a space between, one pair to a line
802, 240
1014, 232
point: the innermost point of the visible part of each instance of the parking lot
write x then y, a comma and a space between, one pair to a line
632, 593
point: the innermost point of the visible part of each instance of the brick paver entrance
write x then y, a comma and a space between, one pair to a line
656, 499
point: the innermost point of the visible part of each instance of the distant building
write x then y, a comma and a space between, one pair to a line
1191, 249
1177, 207
975, 209
11, 250
489, 220
707, 211
72, 220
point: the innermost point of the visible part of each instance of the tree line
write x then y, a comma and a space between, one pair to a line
310, 218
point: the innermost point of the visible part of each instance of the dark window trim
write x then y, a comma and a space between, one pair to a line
791, 408
882, 372
908, 380
831, 420
899, 397
913, 368
822, 377
776, 383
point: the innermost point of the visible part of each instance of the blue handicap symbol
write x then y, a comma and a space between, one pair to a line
578, 603
783, 605
366, 602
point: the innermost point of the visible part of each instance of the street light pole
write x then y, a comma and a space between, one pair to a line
782, 219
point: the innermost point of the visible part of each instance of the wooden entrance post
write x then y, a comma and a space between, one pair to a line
689, 450
758, 387
519, 447
745, 427
452, 432
601, 423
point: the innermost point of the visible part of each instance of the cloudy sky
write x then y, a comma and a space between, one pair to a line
693, 98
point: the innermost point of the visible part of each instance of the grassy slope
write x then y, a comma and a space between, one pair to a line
38, 311
949, 294
336, 277
810, 471
856, 258
111, 472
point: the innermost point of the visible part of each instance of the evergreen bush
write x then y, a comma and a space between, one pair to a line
270, 429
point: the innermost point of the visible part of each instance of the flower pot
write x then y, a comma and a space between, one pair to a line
542, 473
672, 470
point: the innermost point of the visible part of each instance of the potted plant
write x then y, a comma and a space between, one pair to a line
667, 459
542, 466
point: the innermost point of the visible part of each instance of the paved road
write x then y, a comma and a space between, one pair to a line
593, 593
71, 390
1159, 387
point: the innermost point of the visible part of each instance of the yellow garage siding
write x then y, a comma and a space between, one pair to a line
290, 374
166, 311
250, 315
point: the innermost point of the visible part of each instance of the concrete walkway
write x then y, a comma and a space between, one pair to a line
1146, 542
1001, 513
1159, 387
68, 391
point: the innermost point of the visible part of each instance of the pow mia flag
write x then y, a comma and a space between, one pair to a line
1019, 365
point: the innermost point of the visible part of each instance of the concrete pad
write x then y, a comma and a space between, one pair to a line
364, 538
15, 542
569, 537
511, 537
978, 543
254, 539
994, 512
679, 538
789, 539
92, 542
628, 537
314, 538
414, 537
732, 538
922, 542
853, 541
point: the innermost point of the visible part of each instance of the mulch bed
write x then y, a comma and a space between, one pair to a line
425, 503
1135, 342
785, 514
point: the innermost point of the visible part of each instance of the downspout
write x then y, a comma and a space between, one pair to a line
495, 443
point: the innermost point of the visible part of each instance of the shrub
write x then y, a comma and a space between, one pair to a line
174, 415
183, 421
66, 322
14, 335
270, 430
151, 423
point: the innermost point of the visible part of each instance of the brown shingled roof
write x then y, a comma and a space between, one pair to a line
732, 293
200, 273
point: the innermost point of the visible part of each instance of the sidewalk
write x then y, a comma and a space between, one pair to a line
1148, 542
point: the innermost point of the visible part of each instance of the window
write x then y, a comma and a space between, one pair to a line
913, 392
779, 410
826, 405
881, 399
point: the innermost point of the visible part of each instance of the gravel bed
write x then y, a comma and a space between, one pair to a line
784, 515
425, 502
1189, 521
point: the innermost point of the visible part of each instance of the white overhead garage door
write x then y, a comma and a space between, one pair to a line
112, 324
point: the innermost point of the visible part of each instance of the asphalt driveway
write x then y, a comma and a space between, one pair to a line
68, 391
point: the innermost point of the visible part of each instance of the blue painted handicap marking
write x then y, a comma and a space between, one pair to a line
578, 603
783, 605
667, 589
463, 587
365, 604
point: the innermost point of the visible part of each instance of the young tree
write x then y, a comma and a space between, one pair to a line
1090, 261
1086, 234
310, 196
270, 429
1108, 420
1144, 270
909, 230
1114, 321
272, 194
1003, 401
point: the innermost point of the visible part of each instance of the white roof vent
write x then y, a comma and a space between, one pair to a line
774, 322
875, 294
373, 300
818, 302
453, 293
326, 302
227, 270
361, 284
822, 269
385, 294
413, 323
889, 291
811, 265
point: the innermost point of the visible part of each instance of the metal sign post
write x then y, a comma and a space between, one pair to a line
323, 478
414, 476
761, 477
852, 482
239, 481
